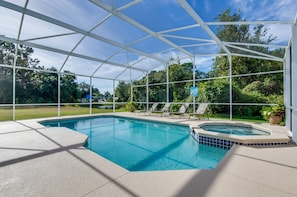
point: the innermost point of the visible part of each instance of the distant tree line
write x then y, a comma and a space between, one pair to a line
40, 86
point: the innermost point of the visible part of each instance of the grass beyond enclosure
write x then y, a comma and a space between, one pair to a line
48, 111
52, 111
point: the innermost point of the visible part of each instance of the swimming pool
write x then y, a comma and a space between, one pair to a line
139, 145
233, 129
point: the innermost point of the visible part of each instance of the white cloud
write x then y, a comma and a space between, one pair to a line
284, 10
109, 71
35, 28
275, 10
244, 6
66, 43
281, 32
104, 85
9, 22
204, 63
95, 48
80, 66
170, 55
49, 59
266, 9
145, 63
81, 13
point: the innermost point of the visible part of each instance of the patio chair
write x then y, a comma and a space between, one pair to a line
182, 110
201, 110
165, 109
153, 108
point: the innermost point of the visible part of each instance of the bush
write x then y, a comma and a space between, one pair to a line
276, 110
131, 106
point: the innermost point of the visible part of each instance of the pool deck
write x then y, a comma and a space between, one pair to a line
40, 161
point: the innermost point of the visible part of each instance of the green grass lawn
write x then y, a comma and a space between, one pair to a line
52, 111
48, 111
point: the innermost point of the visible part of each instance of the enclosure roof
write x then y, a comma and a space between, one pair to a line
119, 39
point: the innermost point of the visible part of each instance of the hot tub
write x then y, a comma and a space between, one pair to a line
233, 129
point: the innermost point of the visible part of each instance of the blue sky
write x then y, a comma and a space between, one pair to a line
156, 15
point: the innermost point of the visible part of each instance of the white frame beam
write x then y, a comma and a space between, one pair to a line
203, 25
138, 25
73, 28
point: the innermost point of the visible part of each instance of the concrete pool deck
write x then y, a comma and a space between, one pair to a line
40, 161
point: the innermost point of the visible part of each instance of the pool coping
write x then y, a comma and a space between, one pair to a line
76, 171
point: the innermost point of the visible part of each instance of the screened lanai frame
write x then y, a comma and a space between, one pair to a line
129, 55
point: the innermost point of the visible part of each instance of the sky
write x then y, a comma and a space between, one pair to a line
157, 16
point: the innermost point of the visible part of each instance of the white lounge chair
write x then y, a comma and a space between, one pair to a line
201, 110
153, 108
182, 110
165, 109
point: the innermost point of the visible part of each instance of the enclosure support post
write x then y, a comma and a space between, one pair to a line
59, 94
13, 81
131, 87
194, 77
91, 95
14, 65
167, 83
230, 85
293, 82
113, 97
147, 91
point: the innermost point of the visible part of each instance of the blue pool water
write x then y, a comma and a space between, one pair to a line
139, 145
233, 129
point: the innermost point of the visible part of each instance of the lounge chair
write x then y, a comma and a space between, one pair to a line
182, 110
165, 109
153, 108
201, 110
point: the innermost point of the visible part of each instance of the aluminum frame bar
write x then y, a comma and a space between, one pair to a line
72, 28
138, 25
204, 26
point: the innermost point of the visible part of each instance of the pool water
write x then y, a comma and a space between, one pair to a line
139, 145
233, 129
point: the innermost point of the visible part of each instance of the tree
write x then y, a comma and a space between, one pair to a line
24, 78
243, 65
123, 92
45, 86
6, 90
7, 52
69, 88
108, 97
177, 91
83, 89
253, 88
177, 72
36, 86
242, 34
6, 57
